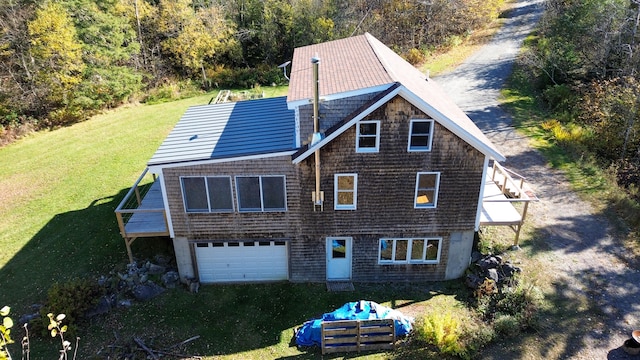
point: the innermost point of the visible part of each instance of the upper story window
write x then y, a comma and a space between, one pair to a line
261, 193
426, 195
420, 135
411, 251
368, 136
207, 194
345, 191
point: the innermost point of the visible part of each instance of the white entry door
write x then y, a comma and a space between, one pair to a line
339, 258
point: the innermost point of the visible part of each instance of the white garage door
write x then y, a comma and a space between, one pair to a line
242, 261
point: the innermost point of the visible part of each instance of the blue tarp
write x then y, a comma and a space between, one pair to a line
309, 332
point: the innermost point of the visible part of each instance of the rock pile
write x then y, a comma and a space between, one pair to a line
138, 282
490, 267
122, 288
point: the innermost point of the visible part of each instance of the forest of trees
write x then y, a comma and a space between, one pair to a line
62, 60
587, 59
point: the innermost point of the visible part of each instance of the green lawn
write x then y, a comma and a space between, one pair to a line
59, 191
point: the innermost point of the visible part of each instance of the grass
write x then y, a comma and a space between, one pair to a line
59, 190
448, 58
565, 313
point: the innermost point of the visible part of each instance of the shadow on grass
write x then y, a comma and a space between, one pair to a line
72, 244
592, 300
258, 318
230, 319
83, 243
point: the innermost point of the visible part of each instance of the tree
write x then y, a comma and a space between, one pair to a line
16, 93
56, 55
108, 47
311, 24
190, 37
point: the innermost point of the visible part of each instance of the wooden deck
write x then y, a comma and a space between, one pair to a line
149, 218
501, 192
142, 213
497, 209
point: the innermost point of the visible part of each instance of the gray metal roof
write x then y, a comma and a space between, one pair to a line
229, 130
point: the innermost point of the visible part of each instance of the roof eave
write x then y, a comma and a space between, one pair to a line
484, 147
337, 96
157, 167
394, 89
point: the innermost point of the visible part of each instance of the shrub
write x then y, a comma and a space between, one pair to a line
414, 56
263, 75
459, 333
560, 97
441, 330
508, 325
73, 298
172, 90
570, 134
511, 308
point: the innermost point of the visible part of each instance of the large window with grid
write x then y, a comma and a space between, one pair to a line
409, 251
261, 193
207, 194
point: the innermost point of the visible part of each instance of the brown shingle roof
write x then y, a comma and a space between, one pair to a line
345, 65
362, 62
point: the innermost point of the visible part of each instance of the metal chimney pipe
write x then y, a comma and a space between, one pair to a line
316, 127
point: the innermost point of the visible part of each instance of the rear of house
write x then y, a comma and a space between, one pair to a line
399, 168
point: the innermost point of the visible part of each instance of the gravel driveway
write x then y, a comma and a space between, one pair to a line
577, 247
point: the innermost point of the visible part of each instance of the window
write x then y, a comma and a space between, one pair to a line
207, 194
368, 136
345, 191
420, 132
426, 195
409, 251
261, 193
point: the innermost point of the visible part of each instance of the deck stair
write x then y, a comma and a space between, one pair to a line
222, 97
511, 183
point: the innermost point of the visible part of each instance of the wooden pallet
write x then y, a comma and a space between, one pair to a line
358, 335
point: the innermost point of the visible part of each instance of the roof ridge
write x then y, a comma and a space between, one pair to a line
381, 58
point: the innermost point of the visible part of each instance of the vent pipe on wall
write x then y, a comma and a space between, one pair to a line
318, 196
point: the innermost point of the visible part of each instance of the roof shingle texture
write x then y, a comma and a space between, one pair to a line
361, 62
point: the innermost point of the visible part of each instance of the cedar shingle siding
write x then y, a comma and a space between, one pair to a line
330, 113
385, 198
385, 203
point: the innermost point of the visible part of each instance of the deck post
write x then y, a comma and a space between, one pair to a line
123, 232
518, 227
137, 191
128, 242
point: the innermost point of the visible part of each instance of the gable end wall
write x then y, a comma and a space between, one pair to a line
385, 200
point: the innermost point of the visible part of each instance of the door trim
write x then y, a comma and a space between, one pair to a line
348, 256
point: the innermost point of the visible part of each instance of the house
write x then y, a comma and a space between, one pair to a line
366, 171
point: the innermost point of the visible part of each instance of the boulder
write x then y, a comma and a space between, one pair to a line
147, 291
171, 279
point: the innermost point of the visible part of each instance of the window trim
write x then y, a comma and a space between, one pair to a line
207, 195
408, 259
336, 191
377, 137
433, 204
262, 208
420, 148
